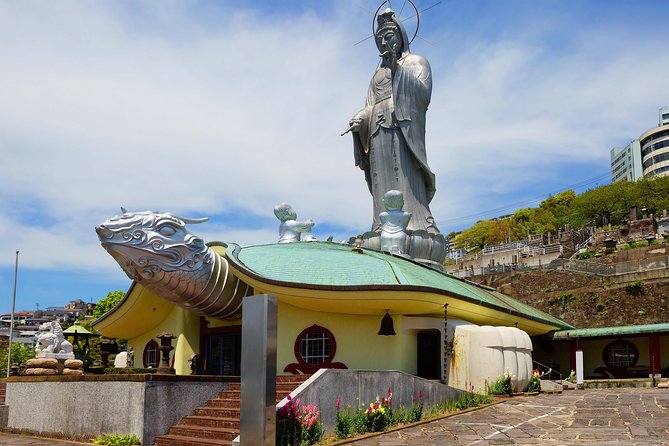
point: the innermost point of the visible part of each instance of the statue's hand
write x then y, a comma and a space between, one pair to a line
355, 124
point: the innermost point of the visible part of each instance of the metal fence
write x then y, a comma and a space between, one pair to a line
579, 266
636, 266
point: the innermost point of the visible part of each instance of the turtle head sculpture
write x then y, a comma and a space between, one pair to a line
145, 243
158, 251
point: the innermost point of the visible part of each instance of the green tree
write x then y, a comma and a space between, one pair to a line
20, 354
107, 303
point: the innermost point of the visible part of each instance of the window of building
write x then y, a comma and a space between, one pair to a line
315, 345
314, 348
621, 353
151, 354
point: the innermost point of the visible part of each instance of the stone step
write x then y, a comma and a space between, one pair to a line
224, 404
233, 394
219, 412
178, 440
219, 422
218, 433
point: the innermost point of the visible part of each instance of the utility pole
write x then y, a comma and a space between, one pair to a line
11, 320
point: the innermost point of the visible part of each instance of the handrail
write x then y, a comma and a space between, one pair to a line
536, 365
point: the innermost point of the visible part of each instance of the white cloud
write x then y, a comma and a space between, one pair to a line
100, 111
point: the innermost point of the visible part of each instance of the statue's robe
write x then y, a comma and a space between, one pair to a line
390, 146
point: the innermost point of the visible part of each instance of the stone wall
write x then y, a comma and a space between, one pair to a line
353, 387
142, 405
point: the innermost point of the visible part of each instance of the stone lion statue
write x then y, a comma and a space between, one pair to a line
51, 340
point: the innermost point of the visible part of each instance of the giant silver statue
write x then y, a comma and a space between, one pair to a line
389, 141
157, 250
389, 133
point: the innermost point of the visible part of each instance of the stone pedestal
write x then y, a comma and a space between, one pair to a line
54, 364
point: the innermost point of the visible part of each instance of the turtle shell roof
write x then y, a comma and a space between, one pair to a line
331, 266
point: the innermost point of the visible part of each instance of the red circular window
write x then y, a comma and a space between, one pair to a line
315, 348
620, 353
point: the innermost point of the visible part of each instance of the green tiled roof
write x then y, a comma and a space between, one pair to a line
564, 335
334, 266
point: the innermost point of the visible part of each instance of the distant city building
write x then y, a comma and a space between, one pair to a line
643, 157
626, 162
664, 116
655, 147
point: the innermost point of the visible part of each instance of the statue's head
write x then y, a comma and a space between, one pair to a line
391, 37
393, 200
144, 243
284, 212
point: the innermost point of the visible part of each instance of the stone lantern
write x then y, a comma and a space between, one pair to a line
165, 349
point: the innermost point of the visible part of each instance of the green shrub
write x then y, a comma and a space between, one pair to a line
501, 386
585, 255
380, 415
20, 354
636, 288
534, 385
415, 412
343, 422
117, 440
632, 245
561, 299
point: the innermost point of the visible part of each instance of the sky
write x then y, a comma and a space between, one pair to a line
222, 109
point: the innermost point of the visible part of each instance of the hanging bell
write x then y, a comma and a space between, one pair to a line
387, 326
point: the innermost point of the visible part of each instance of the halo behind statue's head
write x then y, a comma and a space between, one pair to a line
388, 19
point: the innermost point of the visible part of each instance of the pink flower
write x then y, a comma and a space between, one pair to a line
338, 403
420, 395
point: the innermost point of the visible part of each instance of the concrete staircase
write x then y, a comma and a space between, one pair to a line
217, 423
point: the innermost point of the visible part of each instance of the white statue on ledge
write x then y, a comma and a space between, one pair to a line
394, 222
291, 230
51, 342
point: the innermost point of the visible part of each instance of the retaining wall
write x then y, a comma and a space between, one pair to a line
358, 387
86, 406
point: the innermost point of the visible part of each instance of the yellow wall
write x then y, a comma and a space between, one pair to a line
593, 350
358, 345
183, 324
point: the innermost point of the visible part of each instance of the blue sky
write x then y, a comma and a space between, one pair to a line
222, 109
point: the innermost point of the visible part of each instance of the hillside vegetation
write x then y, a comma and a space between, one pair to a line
585, 301
567, 208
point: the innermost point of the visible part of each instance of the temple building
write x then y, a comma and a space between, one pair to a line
339, 306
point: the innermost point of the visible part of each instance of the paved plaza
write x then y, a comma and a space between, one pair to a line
603, 417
